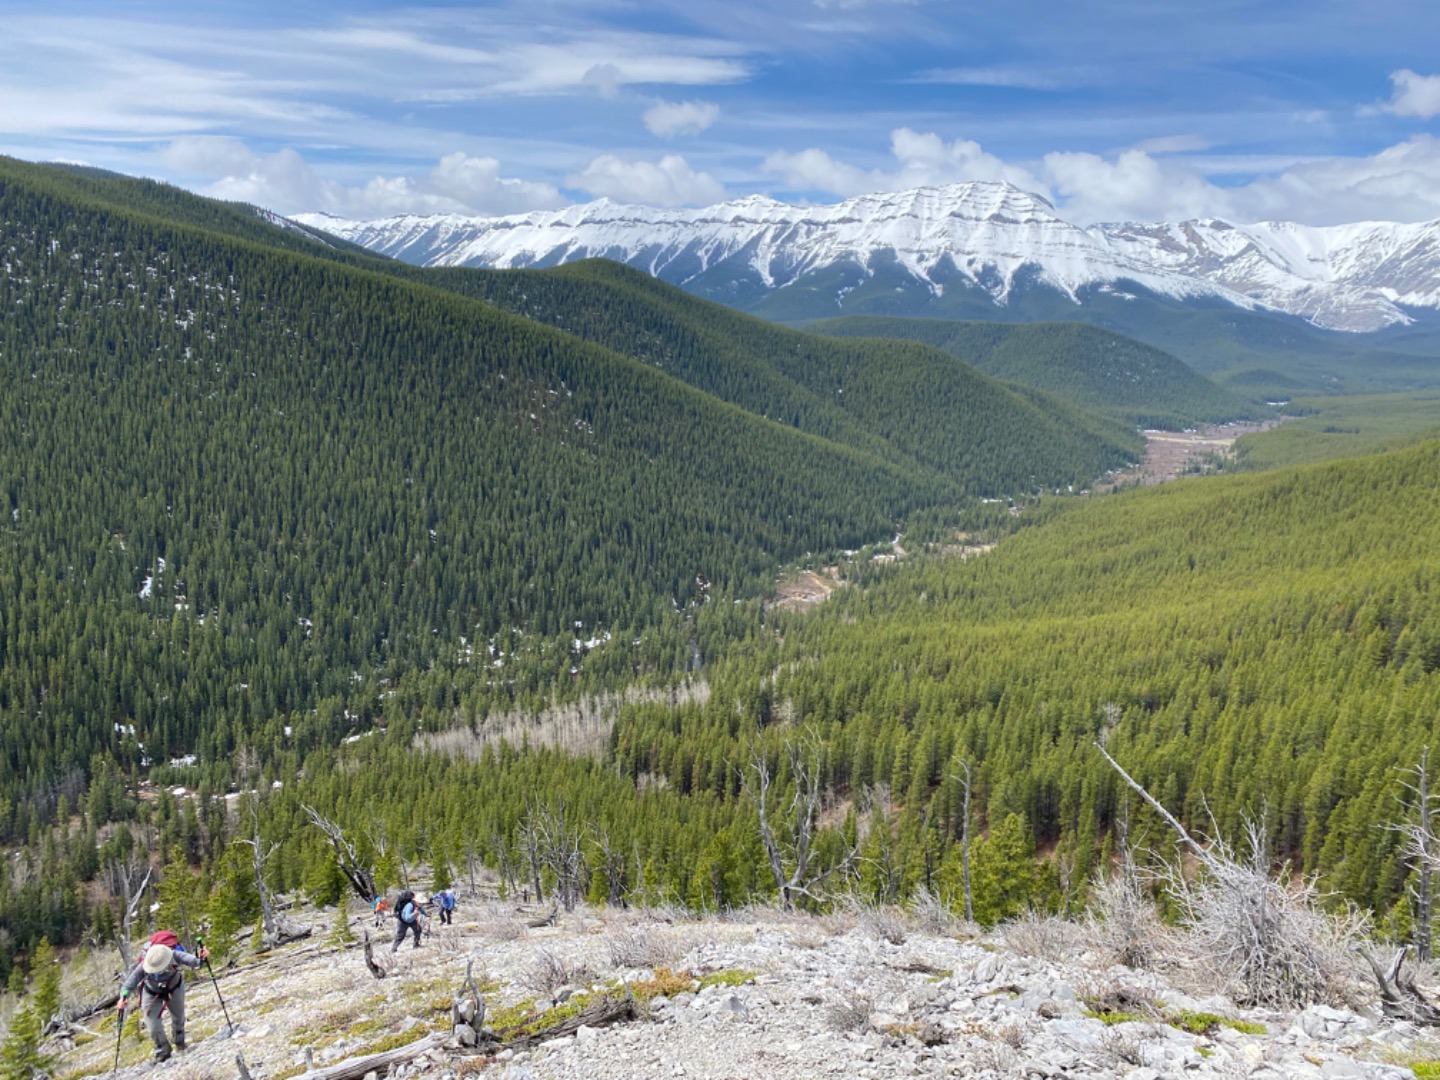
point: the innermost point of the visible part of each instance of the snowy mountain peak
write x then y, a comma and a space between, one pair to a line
978, 234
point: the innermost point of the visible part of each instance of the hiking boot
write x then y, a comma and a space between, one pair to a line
179, 1042
162, 1054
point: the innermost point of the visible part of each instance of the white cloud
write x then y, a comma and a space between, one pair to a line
1415, 95
671, 118
1400, 183
669, 182
923, 159
1155, 181
284, 181
1134, 186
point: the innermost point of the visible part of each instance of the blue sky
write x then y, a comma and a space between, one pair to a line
1322, 111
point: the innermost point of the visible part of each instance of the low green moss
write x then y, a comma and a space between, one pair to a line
1426, 1070
728, 977
1114, 1016
1196, 1023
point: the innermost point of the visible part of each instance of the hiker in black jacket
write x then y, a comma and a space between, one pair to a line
162, 986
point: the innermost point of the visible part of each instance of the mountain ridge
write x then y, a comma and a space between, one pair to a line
986, 235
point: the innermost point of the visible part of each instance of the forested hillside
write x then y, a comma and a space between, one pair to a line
1258, 644
897, 400
252, 486
1086, 365
237, 481
290, 513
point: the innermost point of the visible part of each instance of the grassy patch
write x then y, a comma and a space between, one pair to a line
1114, 1016
666, 983
394, 1041
1426, 1070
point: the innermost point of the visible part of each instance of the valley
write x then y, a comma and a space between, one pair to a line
1172, 454
696, 566
748, 541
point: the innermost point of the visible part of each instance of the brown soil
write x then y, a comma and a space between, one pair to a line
1169, 454
805, 588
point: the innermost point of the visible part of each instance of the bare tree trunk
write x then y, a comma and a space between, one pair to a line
278, 929
531, 840
1421, 849
1399, 996
126, 879
965, 844
559, 845
613, 865
796, 849
507, 864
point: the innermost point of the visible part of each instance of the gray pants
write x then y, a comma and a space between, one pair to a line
402, 928
152, 1008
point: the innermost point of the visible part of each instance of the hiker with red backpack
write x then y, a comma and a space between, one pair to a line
162, 985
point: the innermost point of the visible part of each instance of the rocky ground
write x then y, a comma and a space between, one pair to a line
758, 994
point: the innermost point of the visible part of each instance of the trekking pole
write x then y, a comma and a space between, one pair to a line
229, 1027
119, 1031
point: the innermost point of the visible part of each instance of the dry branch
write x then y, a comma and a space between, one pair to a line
1400, 998
370, 962
1262, 938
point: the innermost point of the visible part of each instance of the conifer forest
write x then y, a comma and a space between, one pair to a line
292, 531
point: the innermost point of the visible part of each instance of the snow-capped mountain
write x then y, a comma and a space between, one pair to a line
987, 236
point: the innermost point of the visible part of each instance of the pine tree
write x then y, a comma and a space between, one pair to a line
45, 973
20, 1057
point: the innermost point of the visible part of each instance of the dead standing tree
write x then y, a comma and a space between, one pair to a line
559, 846
358, 872
1421, 847
277, 927
129, 878
965, 784
791, 855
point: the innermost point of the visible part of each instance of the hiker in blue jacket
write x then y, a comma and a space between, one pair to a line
445, 899
409, 909
162, 986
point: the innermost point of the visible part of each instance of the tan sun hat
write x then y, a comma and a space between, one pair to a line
157, 959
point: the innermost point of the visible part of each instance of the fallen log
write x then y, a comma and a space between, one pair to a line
1400, 998
544, 920
610, 1010
355, 1068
